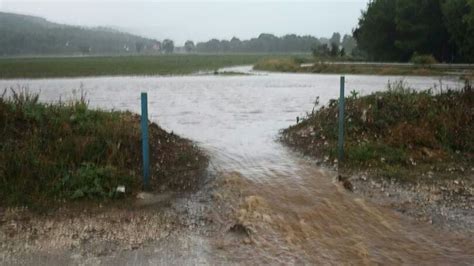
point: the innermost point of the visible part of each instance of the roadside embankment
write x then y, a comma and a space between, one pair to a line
60, 169
359, 68
412, 151
66, 152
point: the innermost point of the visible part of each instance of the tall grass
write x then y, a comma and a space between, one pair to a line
332, 67
399, 126
50, 153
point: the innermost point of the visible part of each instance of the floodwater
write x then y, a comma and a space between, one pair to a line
236, 119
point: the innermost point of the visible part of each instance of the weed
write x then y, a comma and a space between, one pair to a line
354, 95
93, 182
55, 152
399, 127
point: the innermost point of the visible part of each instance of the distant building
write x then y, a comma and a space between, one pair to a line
156, 46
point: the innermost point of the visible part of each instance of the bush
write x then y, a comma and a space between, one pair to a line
423, 59
93, 182
368, 152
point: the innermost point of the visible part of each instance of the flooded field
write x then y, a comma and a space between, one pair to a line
303, 216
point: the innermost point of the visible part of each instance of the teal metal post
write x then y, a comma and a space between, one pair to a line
341, 123
145, 145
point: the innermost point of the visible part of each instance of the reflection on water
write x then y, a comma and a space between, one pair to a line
237, 118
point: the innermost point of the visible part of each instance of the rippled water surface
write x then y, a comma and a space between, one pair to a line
237, 119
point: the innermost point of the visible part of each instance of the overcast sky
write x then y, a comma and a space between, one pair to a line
200, 20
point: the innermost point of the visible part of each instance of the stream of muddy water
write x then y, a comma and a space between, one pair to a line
236, 119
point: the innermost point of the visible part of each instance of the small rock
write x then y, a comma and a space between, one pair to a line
345, 183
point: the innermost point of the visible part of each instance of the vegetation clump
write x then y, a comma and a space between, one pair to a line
423, 59
331, 66
282, 65
51, 153
393, 132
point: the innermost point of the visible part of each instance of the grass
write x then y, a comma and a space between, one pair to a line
325, 67
52, 153
120, 65
393, 131
278, 65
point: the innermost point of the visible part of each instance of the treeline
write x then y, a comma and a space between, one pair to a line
397, 30
265, 43
28, 35
337, 47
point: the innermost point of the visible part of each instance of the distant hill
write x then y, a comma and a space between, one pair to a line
29, 35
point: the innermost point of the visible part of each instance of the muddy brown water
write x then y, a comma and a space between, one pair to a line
236, 119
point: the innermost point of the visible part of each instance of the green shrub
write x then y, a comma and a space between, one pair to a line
283, 65
93, 182
423, 59
376, 152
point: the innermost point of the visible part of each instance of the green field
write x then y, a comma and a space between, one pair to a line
121, 65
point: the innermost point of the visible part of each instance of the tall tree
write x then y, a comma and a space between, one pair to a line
168, 46
235, 44
377, 32
189, 46
335, 39
348, 44
397, 29
334, 49
459, 21
420, 29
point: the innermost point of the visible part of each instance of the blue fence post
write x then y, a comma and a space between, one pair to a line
341, 122
145, 145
